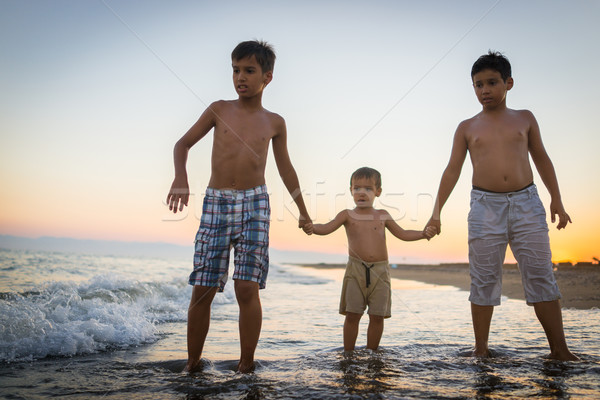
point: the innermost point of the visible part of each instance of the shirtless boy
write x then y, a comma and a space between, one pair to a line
505, 206
236, 209
367, 277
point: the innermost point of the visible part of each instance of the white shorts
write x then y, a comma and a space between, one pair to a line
518, 219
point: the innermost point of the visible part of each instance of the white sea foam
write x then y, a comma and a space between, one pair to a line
300, 352
67, 318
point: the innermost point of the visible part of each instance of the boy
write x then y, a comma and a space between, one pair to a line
236, 210
367, 277
505, 207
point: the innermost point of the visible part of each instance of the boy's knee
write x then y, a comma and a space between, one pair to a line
202, 296
353, 317
376, 318
245, 291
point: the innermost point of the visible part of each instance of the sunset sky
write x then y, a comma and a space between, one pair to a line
94, 94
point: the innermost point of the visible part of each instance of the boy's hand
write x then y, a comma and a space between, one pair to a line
178, 195
435, 224
303, 222
429, 232
308, 228
563, 217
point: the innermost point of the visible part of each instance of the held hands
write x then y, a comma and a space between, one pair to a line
306, 224
429, 232
308, 228
178, 195
436, 224
563, 217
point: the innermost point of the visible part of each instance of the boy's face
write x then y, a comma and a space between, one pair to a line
248, 78
364, 192
490, 89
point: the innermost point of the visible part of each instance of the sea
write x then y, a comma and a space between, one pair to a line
78, 326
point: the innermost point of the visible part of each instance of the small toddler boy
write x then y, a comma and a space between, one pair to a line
367, 278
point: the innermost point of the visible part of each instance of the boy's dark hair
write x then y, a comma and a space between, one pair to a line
261, 50
367, 173
495, 61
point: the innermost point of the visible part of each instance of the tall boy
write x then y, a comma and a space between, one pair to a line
505, 207
236, 209
367, 277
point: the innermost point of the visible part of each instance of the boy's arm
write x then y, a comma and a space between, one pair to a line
449, 176
405, 234
331, 226
547, 173
179, 193
287, 171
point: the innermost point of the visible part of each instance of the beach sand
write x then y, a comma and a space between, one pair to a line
579, 285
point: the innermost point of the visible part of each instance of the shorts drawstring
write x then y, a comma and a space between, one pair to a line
368, 272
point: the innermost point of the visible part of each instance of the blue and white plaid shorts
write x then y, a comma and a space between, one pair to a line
238, 219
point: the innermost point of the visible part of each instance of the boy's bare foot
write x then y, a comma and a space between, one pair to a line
485, 353
246, 368
193, 366
563, 356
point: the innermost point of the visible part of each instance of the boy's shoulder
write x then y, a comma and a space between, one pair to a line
222, 107
274, 116
219, 106
524, 114
222, 103
236, 104
483, 116
381, 213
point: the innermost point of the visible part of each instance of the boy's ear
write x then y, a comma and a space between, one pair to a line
378, 192
509, 83
268, 77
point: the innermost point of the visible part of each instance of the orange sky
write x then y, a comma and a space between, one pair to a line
93, 104
45, 216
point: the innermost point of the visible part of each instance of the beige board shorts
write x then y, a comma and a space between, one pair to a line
356, 296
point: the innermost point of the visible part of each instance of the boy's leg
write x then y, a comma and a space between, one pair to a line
486, 258
548, 312
351, 330
531, 248
198, 324
250, 322
374, 332
550, 316
251, 244
482, 318
488, 239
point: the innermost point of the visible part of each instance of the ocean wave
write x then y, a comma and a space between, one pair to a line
71, 318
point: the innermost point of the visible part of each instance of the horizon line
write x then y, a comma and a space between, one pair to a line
594, 261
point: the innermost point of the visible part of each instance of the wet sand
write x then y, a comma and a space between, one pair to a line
579, 285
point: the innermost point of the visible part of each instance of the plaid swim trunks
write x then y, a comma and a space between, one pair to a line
238, 219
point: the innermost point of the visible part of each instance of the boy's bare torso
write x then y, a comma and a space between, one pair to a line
498, 144
365, 230
240, 145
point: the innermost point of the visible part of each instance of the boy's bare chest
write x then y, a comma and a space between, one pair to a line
366, 225
484, 136
255, 133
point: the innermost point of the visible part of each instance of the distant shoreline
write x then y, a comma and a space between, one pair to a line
578, 284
